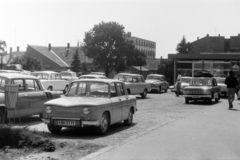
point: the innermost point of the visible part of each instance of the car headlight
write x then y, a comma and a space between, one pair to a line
48, 109
86, 111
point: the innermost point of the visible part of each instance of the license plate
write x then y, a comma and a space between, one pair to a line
65, 123
196, 96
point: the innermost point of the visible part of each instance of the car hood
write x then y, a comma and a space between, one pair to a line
151, 80
222, 85
77, 101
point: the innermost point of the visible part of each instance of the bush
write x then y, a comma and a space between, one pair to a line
24, 138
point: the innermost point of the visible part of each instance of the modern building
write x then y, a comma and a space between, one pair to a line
216, 54
146, 46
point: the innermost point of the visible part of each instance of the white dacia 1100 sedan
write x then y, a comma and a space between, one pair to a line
94, 102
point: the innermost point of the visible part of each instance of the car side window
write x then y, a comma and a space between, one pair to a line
32, 85
58, 76
120, 89
139, 79
20, 83
113, 90
135, 79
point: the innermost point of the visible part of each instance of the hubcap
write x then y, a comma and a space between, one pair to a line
104, 124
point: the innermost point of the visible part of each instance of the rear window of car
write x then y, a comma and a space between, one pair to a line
201, 82
124, 78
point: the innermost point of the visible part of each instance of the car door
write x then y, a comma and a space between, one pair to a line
141, 84
57, 82
36, 96
123, 96
116, 104
23, 99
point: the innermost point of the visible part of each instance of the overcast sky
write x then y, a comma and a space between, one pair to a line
40, 22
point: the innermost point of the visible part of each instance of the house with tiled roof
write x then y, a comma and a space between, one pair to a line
56, 58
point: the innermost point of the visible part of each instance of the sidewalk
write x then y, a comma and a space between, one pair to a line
213, 133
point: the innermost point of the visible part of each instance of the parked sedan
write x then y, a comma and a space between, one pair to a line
158, 82
90, 102
223, 86
202, 88
31, 95
51, 80
135, 83
69, 75
92, 76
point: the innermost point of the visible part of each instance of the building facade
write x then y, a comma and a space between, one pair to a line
216, 54
146, 46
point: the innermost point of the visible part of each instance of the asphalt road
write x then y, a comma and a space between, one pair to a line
157, 110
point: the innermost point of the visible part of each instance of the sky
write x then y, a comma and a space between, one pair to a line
58, 22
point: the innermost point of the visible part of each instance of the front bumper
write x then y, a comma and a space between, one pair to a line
207, 96
83, 123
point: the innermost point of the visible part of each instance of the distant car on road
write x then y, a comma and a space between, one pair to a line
135, 83
158, 82
69, 75
31, 95
91, 102
51, 80
92, 76
184, 83
202, 88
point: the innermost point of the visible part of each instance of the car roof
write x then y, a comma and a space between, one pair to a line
16, 75
67, 72
98, 80
156, 75
92, 75
128, 74
44, 72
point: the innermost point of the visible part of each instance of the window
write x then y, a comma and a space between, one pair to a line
120, 89
140, 79
32, 85
113, 90
20, 83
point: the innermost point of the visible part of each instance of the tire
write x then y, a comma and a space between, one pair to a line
49, 88
129, 92
54, 129
217, 99
186, 100
104, 124
144, 94
128, 121
2, 116
210, 101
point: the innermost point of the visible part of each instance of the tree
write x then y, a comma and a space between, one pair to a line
183, 47
30, 63
2, 46
167, 69
76, 63
104, 43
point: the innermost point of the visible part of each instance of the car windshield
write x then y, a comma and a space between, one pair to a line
220, 80
41, 75
201, 82
185, 80
89, 89
66, 74
154, 77
124, 78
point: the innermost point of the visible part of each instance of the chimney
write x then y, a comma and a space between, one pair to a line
197, 38
207, 35
219, 35
49, 47
17, 48
68, 46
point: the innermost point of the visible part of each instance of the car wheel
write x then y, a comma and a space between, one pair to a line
210, 101
104, 124
129, 92
186, 100
217, 99
144, 94
49, 88
128, 121
1, 116
54, 129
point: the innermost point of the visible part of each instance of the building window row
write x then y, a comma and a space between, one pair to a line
145, 43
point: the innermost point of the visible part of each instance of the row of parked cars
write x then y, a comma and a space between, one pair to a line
93, 101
